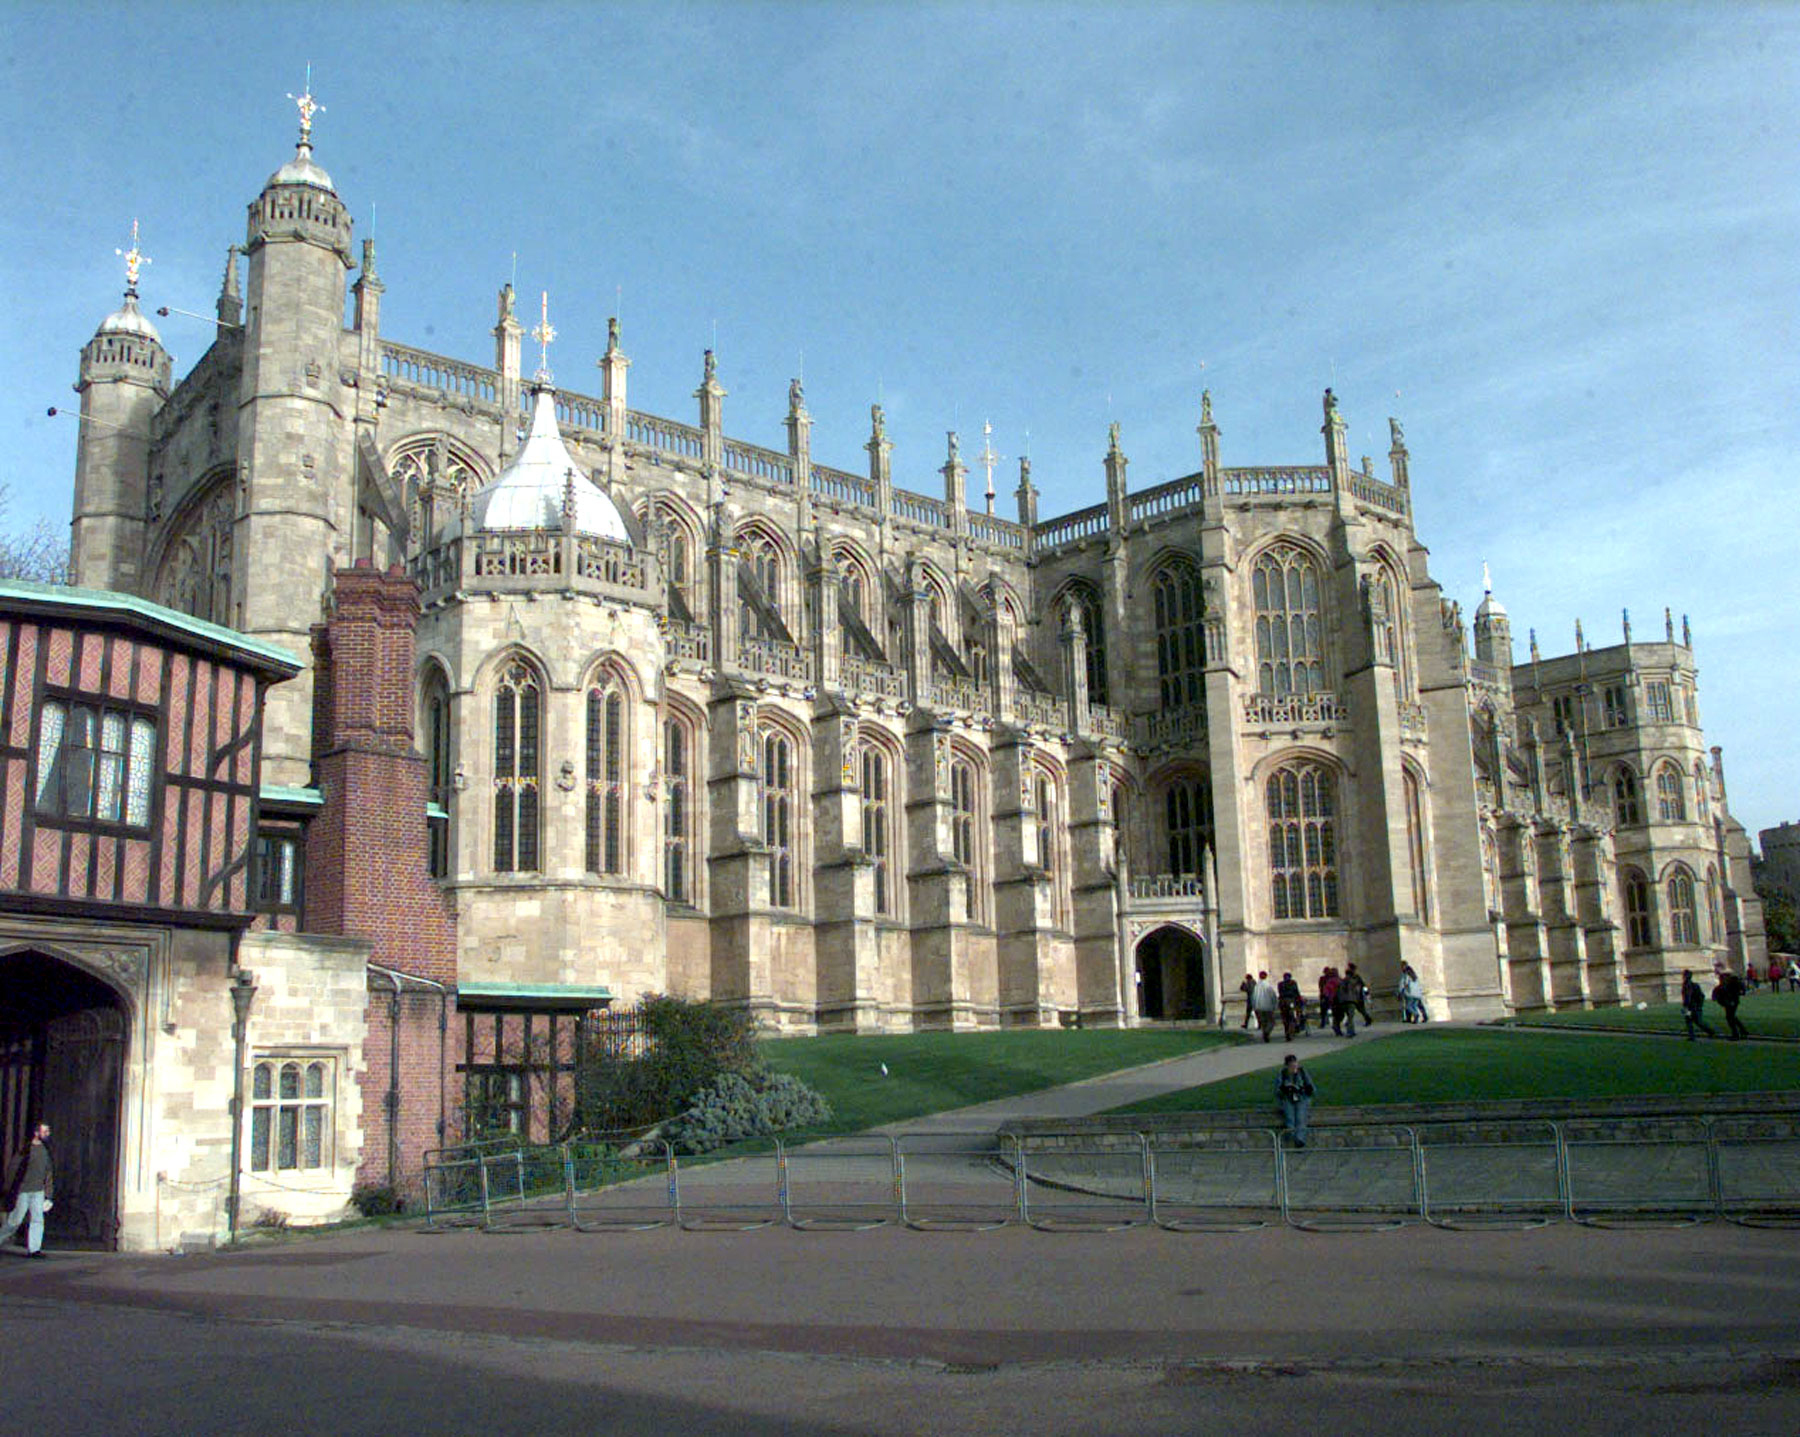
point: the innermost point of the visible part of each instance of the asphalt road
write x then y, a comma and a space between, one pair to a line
1564, 1330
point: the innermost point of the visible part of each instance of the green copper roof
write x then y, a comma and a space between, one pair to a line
298, 797
106, 602
569, 996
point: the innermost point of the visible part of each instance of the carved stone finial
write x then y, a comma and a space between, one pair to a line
1687, 634
1112, 437
1625, 618
877, 421
1534, 647
612, 334
507, 302
1580, 642
796, 397
1331, 406
1396, 433
1206, 414
950, 434
710, 372
1668, 626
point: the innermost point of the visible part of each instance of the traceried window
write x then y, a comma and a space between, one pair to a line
1180, 610
1628, 810
94, 764
1290, 642
1302, 805
275, 872
290, 1115
1715, 914
678, 811
1390, 633
1416, 851
1671, 806
518, 708
1188, 821
968, 834
1612, 699
1635, 890
777, 783
1683, 928
1658, 702
762, 563
1562, 714
1702, 794
877, 822
607, 788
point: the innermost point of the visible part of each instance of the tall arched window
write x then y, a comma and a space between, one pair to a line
1180, 610
968, 834
1684, 926
607, 785
778, 834
1671, 807
1415, 846
518, 705
678, 811
1635, 890
1046, 797
877, 822
439, 771
1715, 913
1390, 632
1290, 643
1627, 809
1302, 803
1188, 821
1702, 794
1088, 603
761, 559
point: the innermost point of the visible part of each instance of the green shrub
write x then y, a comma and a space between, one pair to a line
735, 1107
689, 1045
377, 1200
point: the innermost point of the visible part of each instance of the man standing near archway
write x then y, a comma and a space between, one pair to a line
34, 1185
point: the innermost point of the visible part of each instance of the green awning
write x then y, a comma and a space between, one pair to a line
539, 997
286, 796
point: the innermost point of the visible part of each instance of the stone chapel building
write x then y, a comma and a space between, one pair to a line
592, 703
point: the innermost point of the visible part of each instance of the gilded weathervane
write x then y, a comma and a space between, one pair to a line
134, 259
543, 334
308, 108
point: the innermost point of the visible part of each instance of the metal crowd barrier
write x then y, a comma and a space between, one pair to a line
1479, 1175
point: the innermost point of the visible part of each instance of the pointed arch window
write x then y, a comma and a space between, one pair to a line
678, 811
1088, 603
1390, 633
1046, 796
777, 781
439, 773
518, 711
1188, 822
968, 834
1302, 807
1179, 609
1634, 888
877, 822
1628, 809
761, 605
1715, 914
1290, 641
1415, 846
607, 783
1702, 794
1683, 925
1671, 806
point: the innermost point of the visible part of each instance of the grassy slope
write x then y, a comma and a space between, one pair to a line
1452, 1065
1765, 1014
934, 1072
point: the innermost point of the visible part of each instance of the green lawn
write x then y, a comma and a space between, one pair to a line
1450, 1065
934, 1072
1765, 1014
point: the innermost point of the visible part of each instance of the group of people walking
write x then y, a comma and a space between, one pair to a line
1728, 992
1342, 997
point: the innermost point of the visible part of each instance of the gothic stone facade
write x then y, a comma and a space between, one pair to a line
863, 758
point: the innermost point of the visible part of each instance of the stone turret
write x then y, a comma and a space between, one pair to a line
1493, 629
124, 381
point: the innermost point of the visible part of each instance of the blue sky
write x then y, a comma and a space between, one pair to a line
1560, 242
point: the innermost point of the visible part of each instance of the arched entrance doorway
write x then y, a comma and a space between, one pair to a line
1171, 967
62, 1062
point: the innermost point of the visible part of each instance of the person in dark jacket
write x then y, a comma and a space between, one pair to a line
1728, 994
1693, 1003
1356, 995
1247, 987
34, 1181
1293, 1007
1294, 1095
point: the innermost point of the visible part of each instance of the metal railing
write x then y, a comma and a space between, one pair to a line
1471, 1175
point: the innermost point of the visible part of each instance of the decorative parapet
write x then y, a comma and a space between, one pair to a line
948, 695
1293, 710
647, 431
1377, 494
532, 559
921, 509
1070, 529
1041, 710
995, 532
871, 679
1109, 723
434, 377
1166, 886
754, 462
688, 643
1171, 728
1278, 482
1165, 500
776, 658
843, 487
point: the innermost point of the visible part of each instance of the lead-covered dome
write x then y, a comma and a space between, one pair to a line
301, 170
128, 319
531, 491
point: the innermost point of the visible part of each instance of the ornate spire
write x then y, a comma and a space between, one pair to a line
543, 333
134, 259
